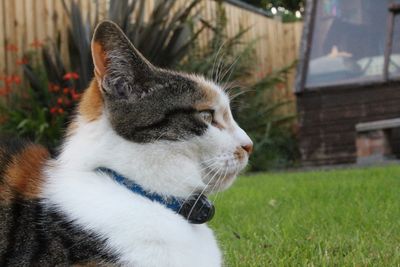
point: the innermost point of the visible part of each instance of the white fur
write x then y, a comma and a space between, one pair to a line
144, 233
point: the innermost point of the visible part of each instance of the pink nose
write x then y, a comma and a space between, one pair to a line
248, 148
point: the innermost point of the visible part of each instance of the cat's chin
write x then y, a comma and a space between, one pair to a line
220, 181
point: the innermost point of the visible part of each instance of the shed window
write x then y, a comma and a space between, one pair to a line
348, 42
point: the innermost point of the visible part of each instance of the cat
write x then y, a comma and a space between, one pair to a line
141, 136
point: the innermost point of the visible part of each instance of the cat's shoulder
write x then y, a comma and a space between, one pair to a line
21, 164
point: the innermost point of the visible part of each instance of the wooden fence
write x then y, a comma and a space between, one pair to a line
27, 24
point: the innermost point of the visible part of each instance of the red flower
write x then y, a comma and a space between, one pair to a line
54, 87
12, 79
5, 91
260, 74
281, 86
16, 79
53, 110
66, 91
71, 76
36, 43
60, 101
3, 119
22, 61
12, 48
75, 95
9, 80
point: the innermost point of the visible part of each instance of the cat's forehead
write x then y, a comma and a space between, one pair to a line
214, 97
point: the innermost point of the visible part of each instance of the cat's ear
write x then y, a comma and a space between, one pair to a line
118, 65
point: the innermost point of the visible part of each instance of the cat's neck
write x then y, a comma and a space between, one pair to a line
156, 167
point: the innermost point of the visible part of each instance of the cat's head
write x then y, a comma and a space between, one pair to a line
170, 113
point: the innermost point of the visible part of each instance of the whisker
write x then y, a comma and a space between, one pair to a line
208, 166
230, 68
232, 97
202, 192
215, 59
210, 171
219, 67
219, 184
208, 160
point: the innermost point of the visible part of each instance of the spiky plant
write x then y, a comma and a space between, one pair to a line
163, 37
230, 62
55, 85
168, 39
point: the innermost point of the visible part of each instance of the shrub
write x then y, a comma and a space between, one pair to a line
41, 112
231, 62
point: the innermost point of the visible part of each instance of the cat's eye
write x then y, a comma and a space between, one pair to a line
207, 115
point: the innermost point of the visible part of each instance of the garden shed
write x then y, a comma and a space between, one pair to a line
348, 80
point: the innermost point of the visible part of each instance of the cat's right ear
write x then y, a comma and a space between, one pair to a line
116, 59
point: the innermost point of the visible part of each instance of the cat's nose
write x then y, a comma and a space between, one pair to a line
248, 147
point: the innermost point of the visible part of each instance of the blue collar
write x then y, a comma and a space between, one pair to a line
171, 203
196, 209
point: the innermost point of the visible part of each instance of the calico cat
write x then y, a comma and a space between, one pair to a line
143, 139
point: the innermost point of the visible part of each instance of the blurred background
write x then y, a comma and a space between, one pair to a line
251, 47
314, 83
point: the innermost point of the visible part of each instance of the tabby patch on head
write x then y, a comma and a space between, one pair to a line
145, 104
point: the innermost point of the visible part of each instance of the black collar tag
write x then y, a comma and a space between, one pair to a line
197, 209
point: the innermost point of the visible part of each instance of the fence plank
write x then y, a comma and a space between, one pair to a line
25, 21
3, 65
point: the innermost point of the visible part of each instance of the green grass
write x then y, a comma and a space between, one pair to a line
322, 218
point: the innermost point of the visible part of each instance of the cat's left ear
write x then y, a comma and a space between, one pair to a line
116, 59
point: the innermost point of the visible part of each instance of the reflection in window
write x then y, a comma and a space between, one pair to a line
394, 64
349, 42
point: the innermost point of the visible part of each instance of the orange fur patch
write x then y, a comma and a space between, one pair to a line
239, 153
91, 105
99, 59
5, 191
208, 102
209, 97
24, 174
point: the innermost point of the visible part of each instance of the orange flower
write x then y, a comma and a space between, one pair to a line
16, 79
36, 44
12, 48
53, 87
22, 61
53, 110
12, 79
3, 119
67, 102
66, 91
75, 95
9, 80
4, 91
71, 76
60, 110
281, 86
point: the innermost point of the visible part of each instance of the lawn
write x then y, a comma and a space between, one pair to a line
323, 218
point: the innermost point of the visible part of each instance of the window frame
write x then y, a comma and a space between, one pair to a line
306, 45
